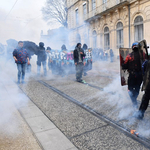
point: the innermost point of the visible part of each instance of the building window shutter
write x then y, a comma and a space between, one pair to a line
77, 16
119, 28
104, 1
93, 4
138, 28
106, 39
84, 9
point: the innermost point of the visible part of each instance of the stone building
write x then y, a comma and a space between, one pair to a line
108, 23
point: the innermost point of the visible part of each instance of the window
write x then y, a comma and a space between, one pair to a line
84, 9
104, 1
106, 39
93, 4
120, 35
77, 16
138, 28
94, 39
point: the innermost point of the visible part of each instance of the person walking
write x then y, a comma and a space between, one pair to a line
21, 57
146, 88
41, 59
48, 51
111, 55
86, 63
133, 65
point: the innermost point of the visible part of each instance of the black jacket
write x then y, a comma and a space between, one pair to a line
132, 62
42, 56
76, 55
146, 78
111, 53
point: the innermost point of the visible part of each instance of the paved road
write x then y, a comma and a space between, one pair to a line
84, 130
14, 132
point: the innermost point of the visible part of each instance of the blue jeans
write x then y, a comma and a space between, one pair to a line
111, 59
21, 71
79, 71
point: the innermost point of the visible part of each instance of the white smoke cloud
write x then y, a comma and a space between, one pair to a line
24, 22
11, 98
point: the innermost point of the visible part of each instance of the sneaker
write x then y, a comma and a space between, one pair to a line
79, 80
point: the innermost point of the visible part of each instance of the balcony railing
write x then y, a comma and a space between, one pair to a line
104, 7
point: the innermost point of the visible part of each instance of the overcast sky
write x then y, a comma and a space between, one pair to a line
24, 22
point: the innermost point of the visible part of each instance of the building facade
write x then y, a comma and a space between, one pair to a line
108, 24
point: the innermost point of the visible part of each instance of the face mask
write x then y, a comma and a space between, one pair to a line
135, 49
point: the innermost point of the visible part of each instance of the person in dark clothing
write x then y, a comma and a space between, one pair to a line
63, 48
41, 59
111, 55
78, 60
146, 88
49, 58
101, 54
105, 55
85, 47
21, 57
133, 65
63, 65
28, 66
49, 49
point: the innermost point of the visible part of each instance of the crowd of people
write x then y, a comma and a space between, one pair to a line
101, 55
138, 73
57, 66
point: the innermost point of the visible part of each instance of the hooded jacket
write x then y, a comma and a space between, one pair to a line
76, 54
42, 56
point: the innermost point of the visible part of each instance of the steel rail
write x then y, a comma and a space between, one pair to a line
116, 125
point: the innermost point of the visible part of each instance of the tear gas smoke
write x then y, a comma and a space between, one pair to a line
10, 99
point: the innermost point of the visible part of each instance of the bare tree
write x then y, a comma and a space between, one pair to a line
56, 11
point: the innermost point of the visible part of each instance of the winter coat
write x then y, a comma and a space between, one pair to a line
111, 53
21, 54
41, 54
132, 62
76, 54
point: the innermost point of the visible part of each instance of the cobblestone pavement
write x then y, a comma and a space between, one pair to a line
86, 131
